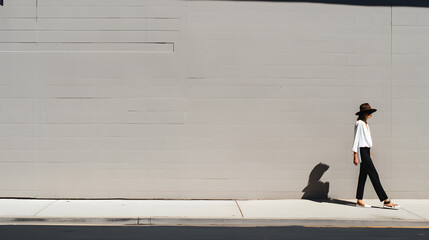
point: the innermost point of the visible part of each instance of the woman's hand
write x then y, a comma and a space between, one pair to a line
370, 156
355, 159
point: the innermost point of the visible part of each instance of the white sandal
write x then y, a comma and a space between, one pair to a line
395, 206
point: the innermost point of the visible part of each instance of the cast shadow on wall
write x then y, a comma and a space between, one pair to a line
317, 190
386, 3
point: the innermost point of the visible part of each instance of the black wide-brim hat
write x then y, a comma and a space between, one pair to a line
365, 107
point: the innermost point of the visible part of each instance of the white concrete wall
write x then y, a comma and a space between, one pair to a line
208, 99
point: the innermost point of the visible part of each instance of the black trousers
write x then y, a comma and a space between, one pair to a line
367, 168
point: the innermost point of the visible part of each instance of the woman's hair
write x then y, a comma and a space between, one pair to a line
362, 116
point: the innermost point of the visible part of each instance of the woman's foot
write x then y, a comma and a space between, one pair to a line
390, 204
360, 203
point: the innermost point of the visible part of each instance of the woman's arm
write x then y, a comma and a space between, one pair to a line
355, 159
357, 132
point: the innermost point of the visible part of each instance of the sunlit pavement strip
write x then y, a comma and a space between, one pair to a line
414, 213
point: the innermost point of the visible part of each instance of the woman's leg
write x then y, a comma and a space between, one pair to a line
361, 182
373, 175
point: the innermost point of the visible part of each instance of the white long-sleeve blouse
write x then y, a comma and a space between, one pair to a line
362, 137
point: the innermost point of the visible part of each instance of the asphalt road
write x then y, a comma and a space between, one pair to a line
190, 233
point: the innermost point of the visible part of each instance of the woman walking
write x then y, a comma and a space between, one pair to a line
361, 154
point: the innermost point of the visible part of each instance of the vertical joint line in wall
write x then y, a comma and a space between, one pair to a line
37, 99
37, 27
391, 38
391, 84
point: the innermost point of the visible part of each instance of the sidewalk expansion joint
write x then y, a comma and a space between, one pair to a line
239, 208
50, 204
413, 213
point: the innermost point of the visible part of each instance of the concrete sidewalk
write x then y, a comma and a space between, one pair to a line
414, 213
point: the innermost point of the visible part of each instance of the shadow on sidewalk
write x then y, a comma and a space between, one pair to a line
317, 190
335, 201
373, 3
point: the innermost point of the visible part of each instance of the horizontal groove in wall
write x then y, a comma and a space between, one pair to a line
95, 47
